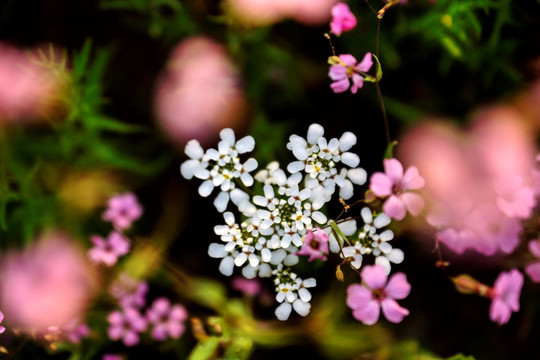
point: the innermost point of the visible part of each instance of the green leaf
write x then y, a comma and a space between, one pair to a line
205, 350
109, 124
379, 72
389, 152
460, 356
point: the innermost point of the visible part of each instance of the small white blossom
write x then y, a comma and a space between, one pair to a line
292, 292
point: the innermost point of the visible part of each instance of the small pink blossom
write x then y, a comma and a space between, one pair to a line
394, 185
348, 69
533, 269
129, 292
112, 357
249, 287
167, 320
505, 297
366, 301
2, 329
122, 210
515, 199
107, 251
126, 325
315, 245
342, 19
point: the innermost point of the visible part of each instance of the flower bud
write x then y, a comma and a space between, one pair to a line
466, 284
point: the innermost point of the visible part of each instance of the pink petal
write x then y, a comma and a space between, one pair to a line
380, 184
392, 311
358, 82
533, 270
368, 314
337, 72
398, 287
340, 86
394, 169
412, 179
395, 208
348, 59
175, 330
499, 312
131, 338
534, 247
414, 202
365, 64
358, 296
374, 276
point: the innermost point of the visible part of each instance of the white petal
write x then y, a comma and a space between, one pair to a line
245, 144
315, 131
187, 169
319, 217
266, 255
358, 176
350, 159
221, 229
250, 165
346, 141
396, 256
278, 256
348, 227
346, 191
382, 261
290, 260
217, 251
212, 154
240, 259
323, 144
300, 152
238, 196
206, 188
387, 235
357, 262
333, 144
253, 260
249, 272
304, 294
367, 215
226, 266
246, 179
194, 150
311, 182
201, 173
283, 311
265, 271
280, 296
229, 217
291, 296
247, 208
228, 136
295, 166
221, 201
279, 177
260, 200
333, 244
309, 283
381, 221
349, 251
302, 308
385, 247
268, 191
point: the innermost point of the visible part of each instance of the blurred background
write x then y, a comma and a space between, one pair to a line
110, 91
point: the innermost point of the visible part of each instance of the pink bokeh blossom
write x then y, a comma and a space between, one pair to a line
367, 301
342, 19
348, 70
249, 287
49, 284
394, 185
533, 269
129, 292
126, 325
167, 320
122, 210
315, 245
107, 251
505, 297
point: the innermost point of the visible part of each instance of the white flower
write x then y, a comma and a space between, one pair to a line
292, 293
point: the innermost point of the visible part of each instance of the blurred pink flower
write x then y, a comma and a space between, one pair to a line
2, 329
107, 251
198, 93
505, 296
112, 357
366, 302
250, 287
122, 210
27, 87
49, 284
167, 320
72, 332
126, 325
315, 245
129, 292
342, 19
348, 69
394, 184
533, 269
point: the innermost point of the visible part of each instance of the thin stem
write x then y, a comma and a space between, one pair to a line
326, 35
371, 7
378, 37
383, 110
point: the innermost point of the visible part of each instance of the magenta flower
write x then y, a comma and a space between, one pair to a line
315, 245
342, 19
505, 296
394, 185
129, 292
107, 251
2, 329
122, 210
249, 287
533, 270
112, 357
126, 325
348, 68
366, 301
167, 320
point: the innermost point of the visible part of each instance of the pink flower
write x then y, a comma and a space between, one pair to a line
49, 284
112, 357
515, 199
122, 210
126, 325
342, 19
107, 251
394, 185
533, 270
250, 287
129, 292
315, 245
167, 320
348, 68
505, 297
2, 329
366, 301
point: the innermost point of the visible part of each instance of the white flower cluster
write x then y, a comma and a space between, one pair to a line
292, 293
371, 242
319, 158
221, 167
